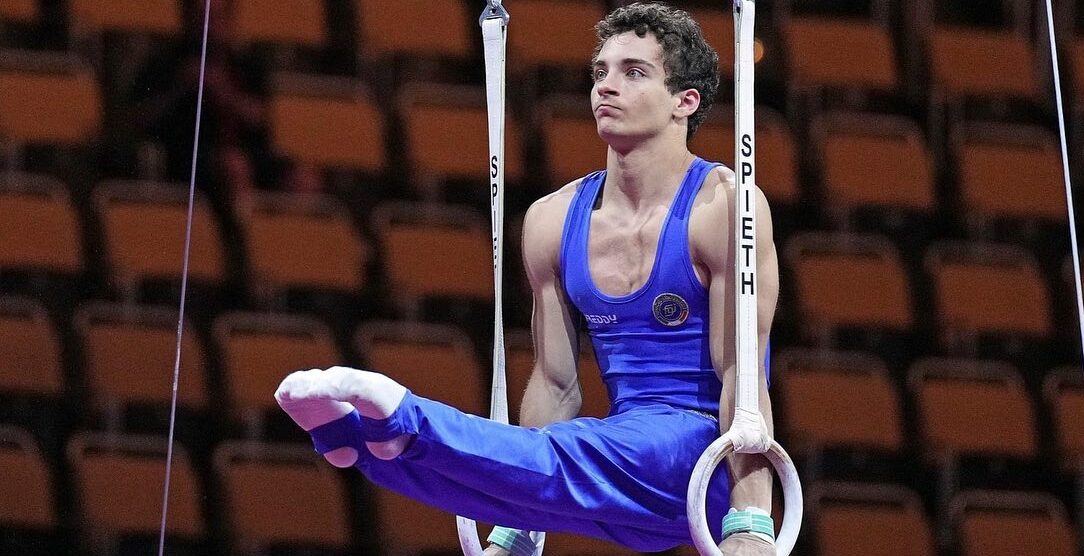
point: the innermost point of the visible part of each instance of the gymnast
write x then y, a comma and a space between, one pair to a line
642, 255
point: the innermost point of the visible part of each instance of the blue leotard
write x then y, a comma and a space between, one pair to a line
622, 478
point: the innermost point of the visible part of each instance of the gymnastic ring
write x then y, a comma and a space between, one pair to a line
472, 546
698, 493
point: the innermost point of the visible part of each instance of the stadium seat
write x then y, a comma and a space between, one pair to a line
963, 67
877, 296
436, 117
328, 123
435, 251
118, 487
129, 353
143, 228
966, 276
560, 33
55, 103
296, 241
299, 23
22, 11
777, 155
281, 495
985, 154
840, 53
871, 160
155, 17
826, 397
573, 147
27, 493
999, 523
1063, 391
868, 519
520, 362
973, 408
383, 32
30, 350
39, 226
434, 361
258, 350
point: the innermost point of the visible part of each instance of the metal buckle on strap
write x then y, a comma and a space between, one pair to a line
495, 10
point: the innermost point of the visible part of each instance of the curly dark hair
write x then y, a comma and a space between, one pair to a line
690, 62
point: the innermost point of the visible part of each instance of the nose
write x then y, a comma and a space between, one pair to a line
605, 86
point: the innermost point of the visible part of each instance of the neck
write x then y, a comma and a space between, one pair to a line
646, 175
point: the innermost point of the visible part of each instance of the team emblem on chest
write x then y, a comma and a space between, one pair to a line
670, 309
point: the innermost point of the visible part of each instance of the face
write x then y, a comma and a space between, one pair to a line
629, 97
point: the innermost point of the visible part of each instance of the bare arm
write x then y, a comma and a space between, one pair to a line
553, 390
750, 475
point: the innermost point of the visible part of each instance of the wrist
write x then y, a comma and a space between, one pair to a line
752, 520
515, 541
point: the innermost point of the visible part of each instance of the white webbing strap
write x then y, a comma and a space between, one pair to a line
494, 22
745, 283
1065, 169
494, 39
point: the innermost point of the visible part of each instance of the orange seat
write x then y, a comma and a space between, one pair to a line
877, 296
990, 523
299, 23
874, 161
840, 53
30, 351
573, 147
23, 11
118, 486
341, 129
1063, 391
258, 350
157, 17
51, 106
559, 33
281, 495
437, 117
39, 226
520, 363
410, 527
967, 276
987, 154
435, 251
304, 241
434, 361
869, 519
382, 32
820, 393
129, 354
26, 493
718, 28
777, 156
144, 230
962, 64
973, 407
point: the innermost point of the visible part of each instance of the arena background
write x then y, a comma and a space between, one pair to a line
926, 353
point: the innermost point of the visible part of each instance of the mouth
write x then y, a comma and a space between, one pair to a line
606, 108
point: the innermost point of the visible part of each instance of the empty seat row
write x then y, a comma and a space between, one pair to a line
962, 407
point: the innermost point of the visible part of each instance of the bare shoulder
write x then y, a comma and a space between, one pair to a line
543, 226
711, 220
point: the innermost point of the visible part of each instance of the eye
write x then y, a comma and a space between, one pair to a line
635, 73
598, 74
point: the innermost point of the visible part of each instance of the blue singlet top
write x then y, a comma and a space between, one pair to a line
652, 344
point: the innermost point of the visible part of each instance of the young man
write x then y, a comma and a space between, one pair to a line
642, 253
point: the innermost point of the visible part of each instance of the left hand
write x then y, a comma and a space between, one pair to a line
746, 544
752, 432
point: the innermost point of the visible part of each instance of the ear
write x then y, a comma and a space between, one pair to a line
687, 103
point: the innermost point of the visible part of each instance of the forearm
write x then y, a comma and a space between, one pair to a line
750, 474
547, 401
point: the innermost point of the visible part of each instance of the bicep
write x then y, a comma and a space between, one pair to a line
553, 328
